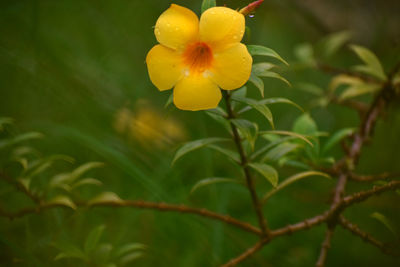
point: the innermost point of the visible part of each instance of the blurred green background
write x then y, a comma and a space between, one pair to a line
70, 69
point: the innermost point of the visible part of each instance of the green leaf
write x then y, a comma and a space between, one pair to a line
279, 151
193, 145
385, 221
69, 251
241, 92
336, 138
247, 130
291, 180
207, 4
333, 42
300, 136
93, 239
105, 198
129, 248
357, 90
260, 68
273, 100
262, 108
86, 181
20, 138
373, 65
212, 180
68, 178
257, 83
130, 257
169, 100
274, 141
271, 74
221, 120
343, 79
258, 50
62, 200
305, 125
231, 154
305, 53
267, 171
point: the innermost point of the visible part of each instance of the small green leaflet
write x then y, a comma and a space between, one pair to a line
231, 154
258, 82
336, 138
273, 100
373, 65
300, 136
20, 138
357, 90
258, 50
93, 239
291, 180
279, 151
385, 221
207, 4
105, 198
267, 171
305, 53
333, 42
62, 201
212, 180
247, 129
305, 125
257, 105
193, 145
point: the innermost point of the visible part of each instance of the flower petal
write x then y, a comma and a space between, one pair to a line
232, 67
221, 27
164, 66
196, 92
176, 27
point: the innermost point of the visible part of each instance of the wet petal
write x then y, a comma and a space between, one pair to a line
196, 92
221, 26
176, 27
164, 66
232, 67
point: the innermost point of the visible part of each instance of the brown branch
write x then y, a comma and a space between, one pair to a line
326, 245
20, 187
247, 253
354, 229
244, 161
364, 195
142, 205
371, 178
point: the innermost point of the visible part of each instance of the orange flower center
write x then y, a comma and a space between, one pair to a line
198, 56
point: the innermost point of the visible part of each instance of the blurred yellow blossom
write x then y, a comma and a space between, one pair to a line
148, 126
198, 57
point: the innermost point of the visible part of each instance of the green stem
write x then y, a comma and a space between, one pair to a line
244, 163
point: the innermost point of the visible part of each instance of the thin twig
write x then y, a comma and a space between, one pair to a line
371, 178
354, 229
325, 247
246, 254
244, 161
20, 187
141, 205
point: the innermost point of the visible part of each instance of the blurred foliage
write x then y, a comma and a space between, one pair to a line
74, 71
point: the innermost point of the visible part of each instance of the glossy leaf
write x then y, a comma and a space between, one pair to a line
273, 100
259, 68
258, 50
262, 108
297, 135
62, 201
291, 180
373, 65
211, 181
279, 151
258, 82
271, 74
358, 90
105, 197
267, 172
193, 145
247, 129
230, 153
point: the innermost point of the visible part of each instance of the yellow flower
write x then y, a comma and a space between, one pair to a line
198, 58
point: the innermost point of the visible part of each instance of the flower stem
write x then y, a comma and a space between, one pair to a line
244, 164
